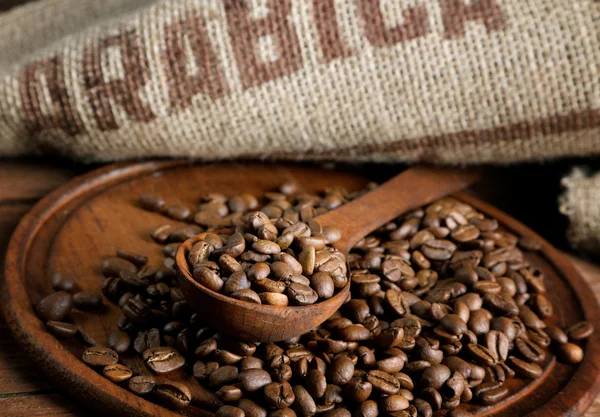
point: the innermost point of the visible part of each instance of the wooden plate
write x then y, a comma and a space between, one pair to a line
79, 224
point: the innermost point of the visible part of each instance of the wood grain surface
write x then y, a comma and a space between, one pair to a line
23, 391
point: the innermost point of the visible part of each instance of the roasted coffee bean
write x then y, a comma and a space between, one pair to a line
556, 334
301, 294
524, 369
580, 331
368, 408
202, 371
274, 299
141, 385
279, 395
230, 393
543, 306
570, 353
481, 355
99, 356
61, 328
151, 202
251, 408
435, 376
112, 267
383, 382
354, 332
254, 379
501, 304
55, 307
393, 403
454, 324
119, 341
529, 351
60, 282
341, 370
222, 376
163, 359
135, 258
173, 394
438, 249
117, 372
146, 340
357, 390
87, 300
497, 344
304, 404
493, 395
229, 411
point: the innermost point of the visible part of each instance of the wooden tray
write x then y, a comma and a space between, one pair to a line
79, 224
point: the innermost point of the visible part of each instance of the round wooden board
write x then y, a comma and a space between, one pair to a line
75, 227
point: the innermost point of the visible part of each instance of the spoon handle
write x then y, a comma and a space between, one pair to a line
406, 191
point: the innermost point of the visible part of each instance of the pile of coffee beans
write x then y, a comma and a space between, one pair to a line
444, 310
276, 262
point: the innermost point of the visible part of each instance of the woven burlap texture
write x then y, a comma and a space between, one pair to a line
450, 81
580, 202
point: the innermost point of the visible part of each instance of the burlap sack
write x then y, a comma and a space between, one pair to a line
452, 81
580, 202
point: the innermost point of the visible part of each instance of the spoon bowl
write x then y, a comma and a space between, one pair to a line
264, 323
248, 321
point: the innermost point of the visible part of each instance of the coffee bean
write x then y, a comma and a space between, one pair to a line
117, 372
135, 258
501, 304
230, 393
119, 341
354, 332
529, 351
481, 355
543, 306
304, 404
393, 403
99, 356
279, 395
435, 376
60, 282
173, 394
570, 353
497, 344
251, 408
580, 331
524, 369
141, 385
254, 379
556, 334
163, 359
229, 411
454, 324
208, 278
247, 295
493, 396
55, 307
438, 249
383, 382
338, 412
529, 243
61, 328
322, 283
301, 294
111, 267
274, 299
88, 300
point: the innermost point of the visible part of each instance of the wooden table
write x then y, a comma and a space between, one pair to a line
24, 391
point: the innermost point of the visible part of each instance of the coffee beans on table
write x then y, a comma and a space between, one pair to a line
444, 310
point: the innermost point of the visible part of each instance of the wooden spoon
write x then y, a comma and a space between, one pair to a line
408, 190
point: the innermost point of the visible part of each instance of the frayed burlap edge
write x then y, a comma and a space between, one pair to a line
580, 202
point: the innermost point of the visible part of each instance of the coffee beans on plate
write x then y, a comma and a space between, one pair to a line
444, 310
